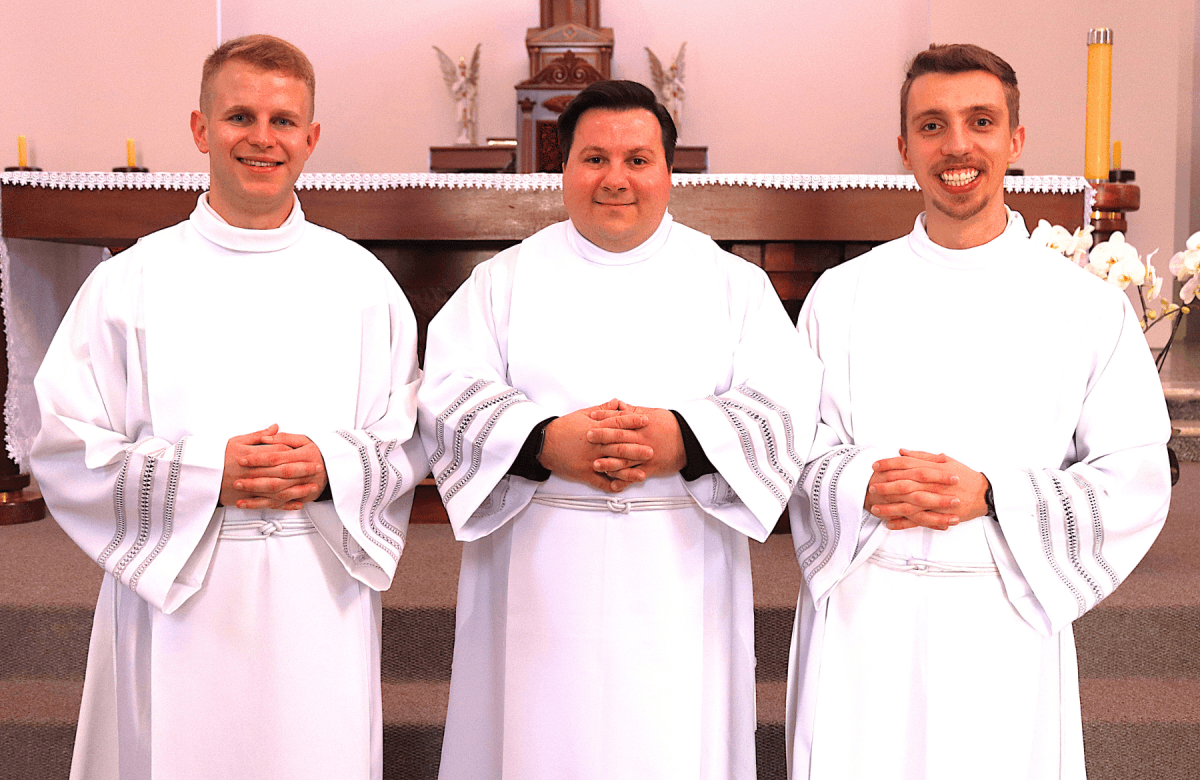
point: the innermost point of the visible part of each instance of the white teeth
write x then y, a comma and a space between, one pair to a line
960, 177
260, 164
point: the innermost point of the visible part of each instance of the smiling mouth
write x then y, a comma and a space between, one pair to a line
259, 163
959, 177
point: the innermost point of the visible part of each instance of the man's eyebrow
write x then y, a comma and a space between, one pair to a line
641, 151
284, 112
987, 108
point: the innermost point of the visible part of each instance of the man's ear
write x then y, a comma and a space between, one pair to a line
1018, 144
314, 135
200, 131
902, 145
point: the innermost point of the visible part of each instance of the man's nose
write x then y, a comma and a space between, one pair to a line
615, 178
956, 141
261, 134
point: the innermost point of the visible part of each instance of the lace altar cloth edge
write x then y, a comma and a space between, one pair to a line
512, 181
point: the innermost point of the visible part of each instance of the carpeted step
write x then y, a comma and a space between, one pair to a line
1139, 662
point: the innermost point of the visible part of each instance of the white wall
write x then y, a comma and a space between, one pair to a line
773, 86
80, 77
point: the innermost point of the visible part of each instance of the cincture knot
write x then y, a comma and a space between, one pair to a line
271, 526
617, 505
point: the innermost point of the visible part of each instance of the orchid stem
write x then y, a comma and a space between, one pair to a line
1161, 359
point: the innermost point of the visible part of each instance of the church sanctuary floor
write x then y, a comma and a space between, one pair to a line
1139, 657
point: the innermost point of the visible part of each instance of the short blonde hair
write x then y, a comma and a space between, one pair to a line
262, 51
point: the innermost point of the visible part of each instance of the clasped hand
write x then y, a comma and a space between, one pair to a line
920, 489
272, 470
613, 445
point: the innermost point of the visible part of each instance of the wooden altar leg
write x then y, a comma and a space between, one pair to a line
17, 503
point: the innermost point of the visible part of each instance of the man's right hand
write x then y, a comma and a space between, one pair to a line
567, 453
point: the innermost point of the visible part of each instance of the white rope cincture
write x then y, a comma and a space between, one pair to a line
932, 568
622, 506
254, 530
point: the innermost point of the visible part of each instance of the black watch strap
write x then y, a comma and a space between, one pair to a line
527, 464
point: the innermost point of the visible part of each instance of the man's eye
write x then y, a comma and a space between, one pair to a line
929, 126
237, 118
983, 121
593, 160
640, 161
284, 122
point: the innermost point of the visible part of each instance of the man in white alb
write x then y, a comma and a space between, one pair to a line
933, 632
610, 416
229, 430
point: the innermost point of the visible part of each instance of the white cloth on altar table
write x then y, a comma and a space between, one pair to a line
40, 279
600, 644
1022, 366
215, 656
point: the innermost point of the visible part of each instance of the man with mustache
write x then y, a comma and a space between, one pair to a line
990, 464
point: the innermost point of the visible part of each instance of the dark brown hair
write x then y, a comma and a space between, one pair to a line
616, 96
961, 58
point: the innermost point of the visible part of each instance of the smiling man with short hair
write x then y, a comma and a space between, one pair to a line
221, 406
612, 408
933, 631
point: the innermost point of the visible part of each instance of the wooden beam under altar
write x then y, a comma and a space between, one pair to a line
729, 213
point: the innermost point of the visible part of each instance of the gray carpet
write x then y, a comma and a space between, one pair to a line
1138, 654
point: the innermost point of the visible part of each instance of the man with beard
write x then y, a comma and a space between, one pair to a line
933, 631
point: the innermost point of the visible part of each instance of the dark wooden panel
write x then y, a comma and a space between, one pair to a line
727, 213
730, 213
473, 159
120, 217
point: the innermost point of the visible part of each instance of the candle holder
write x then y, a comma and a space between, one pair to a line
21, 168
1113, 201
131, 169
18, 502
1121, 176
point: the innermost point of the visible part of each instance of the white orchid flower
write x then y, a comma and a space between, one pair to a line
1189, 290
1056, 237
1041, 233
1127, 271
1186, 263
1153, 280
1109, 253
1081, 245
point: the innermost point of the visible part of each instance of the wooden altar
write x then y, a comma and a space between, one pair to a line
430, 237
